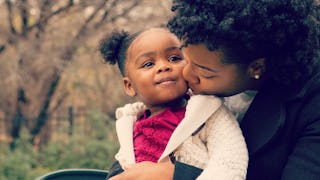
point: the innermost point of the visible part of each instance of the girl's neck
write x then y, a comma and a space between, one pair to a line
174, 105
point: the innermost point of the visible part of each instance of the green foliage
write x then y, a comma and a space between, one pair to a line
87, 150
15, 165
99, 121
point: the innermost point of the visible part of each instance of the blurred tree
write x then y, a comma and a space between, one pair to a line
38, 41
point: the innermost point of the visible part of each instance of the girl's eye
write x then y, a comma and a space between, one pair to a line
175, 58
147, 64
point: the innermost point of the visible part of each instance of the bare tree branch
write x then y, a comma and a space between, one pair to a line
44, 20
124, 12
43, 115
2, 48
59, 102
68, 53
106, 13
10, 17
24, 17
44, 9
89, 19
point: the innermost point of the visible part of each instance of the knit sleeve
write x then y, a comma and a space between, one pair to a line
126, 116
227, 150
133, 109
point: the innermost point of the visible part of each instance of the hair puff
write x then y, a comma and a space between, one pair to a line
110, 47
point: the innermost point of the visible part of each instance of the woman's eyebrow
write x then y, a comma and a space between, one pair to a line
204, 67
181, 47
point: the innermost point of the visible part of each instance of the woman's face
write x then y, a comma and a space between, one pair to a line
207, 74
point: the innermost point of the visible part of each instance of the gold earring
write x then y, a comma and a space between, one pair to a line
257, 76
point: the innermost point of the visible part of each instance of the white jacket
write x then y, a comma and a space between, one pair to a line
217, 147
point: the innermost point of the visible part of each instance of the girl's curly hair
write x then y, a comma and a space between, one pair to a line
285, 32
113, 48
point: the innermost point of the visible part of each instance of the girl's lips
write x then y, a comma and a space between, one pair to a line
166, 80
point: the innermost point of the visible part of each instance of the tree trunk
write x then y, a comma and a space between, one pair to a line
17, 119
44, 112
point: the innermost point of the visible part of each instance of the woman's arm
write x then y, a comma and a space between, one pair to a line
114, 170
304, 161
185, 171
146, 171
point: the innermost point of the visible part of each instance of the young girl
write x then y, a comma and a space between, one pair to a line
165, 125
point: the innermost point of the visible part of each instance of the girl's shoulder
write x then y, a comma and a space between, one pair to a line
136, 109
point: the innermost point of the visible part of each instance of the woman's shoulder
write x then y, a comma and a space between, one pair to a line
311, 88
310, 94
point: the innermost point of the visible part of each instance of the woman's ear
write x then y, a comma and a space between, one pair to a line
128, 87
257, 68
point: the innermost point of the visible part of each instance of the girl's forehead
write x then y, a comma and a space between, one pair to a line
150, 39
151, 34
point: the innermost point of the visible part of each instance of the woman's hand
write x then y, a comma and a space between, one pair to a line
147, 170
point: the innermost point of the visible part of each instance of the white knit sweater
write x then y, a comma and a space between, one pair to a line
218, 147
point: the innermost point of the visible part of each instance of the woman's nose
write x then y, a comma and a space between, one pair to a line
189, 76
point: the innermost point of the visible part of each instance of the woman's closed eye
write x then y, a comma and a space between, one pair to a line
207, 74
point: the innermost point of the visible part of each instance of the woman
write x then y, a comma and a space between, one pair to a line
268, 47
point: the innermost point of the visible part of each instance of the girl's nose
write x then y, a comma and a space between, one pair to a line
164, 67
189, 76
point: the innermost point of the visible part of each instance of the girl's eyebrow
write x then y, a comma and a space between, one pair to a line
147, 54
172, 48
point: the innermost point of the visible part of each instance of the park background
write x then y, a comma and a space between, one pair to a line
57, 97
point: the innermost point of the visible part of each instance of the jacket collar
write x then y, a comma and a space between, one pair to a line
264, 118
266, 115
198, 110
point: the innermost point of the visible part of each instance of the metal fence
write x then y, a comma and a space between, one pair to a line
64, 122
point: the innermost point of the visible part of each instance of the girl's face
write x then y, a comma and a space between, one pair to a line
154, 68
207, 74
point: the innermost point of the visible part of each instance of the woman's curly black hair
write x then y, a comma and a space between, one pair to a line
285, 32
113, 48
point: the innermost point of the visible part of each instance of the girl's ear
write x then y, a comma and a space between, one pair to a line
257, 68
128, 87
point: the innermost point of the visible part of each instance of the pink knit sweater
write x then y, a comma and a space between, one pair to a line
151, 134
